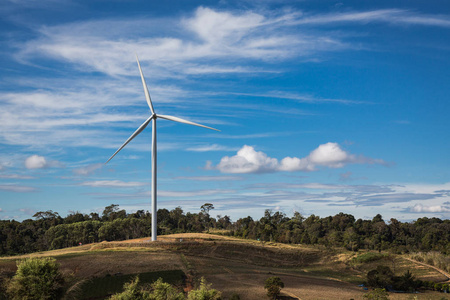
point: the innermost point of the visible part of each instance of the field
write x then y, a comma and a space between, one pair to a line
231, 265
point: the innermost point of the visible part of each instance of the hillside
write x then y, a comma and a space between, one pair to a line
231, 265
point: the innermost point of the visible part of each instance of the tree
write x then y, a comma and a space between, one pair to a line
381, 277
36, 278
204, 292
273, 285
206, 208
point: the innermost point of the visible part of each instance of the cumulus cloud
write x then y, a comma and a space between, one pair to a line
87, 170
419, 208
36, 162
40, 162
330, 155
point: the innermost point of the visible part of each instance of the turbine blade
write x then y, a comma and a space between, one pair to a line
142, 127
176, 119
147, 94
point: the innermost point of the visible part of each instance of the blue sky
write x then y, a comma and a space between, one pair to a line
323, 106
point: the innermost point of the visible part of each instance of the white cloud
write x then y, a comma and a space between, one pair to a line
247, 160
330, 155
17, 188
87, 170
39, 162
209, 178
207, 148
36, 162
391, 16
192, 193
15, 176
112, 183
106, 45
419, 208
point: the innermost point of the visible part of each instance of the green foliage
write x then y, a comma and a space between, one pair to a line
159, 291
377, 294
36, 278
132, 292
273, 285
381, 277
107, 285
204, 292
164, 291
51, 231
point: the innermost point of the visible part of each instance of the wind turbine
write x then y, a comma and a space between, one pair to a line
153, 118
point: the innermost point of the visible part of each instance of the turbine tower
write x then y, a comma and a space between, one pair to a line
153, 118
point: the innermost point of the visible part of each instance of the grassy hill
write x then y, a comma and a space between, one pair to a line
231, 265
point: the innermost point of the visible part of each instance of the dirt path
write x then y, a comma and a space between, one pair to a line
433, 267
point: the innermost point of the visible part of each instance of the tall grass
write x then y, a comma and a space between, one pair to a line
433, 258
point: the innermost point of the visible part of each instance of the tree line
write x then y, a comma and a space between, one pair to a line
48, 230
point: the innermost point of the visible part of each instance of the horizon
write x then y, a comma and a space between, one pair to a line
323, 107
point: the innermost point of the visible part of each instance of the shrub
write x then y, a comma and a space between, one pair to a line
164, 291
368, 257
36, 278
273, 285
380, 277
204, 292
377, 294
159, 291
131, 292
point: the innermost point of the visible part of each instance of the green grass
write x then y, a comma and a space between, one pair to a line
102, 287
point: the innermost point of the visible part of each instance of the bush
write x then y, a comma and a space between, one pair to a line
36, 278
381, 277
159, 291
164, 291
204, 292
131, 292
273, 285
368, 257
377, 294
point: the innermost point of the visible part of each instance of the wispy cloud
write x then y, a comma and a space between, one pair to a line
87, 170
391, 16
419, 208
205, 36
209, 178
192, 193
112, 183
15, 176
330, 155
17, 188
213, 147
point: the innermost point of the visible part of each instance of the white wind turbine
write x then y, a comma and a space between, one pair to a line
153, 118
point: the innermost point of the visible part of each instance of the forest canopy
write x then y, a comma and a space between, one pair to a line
48, 230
